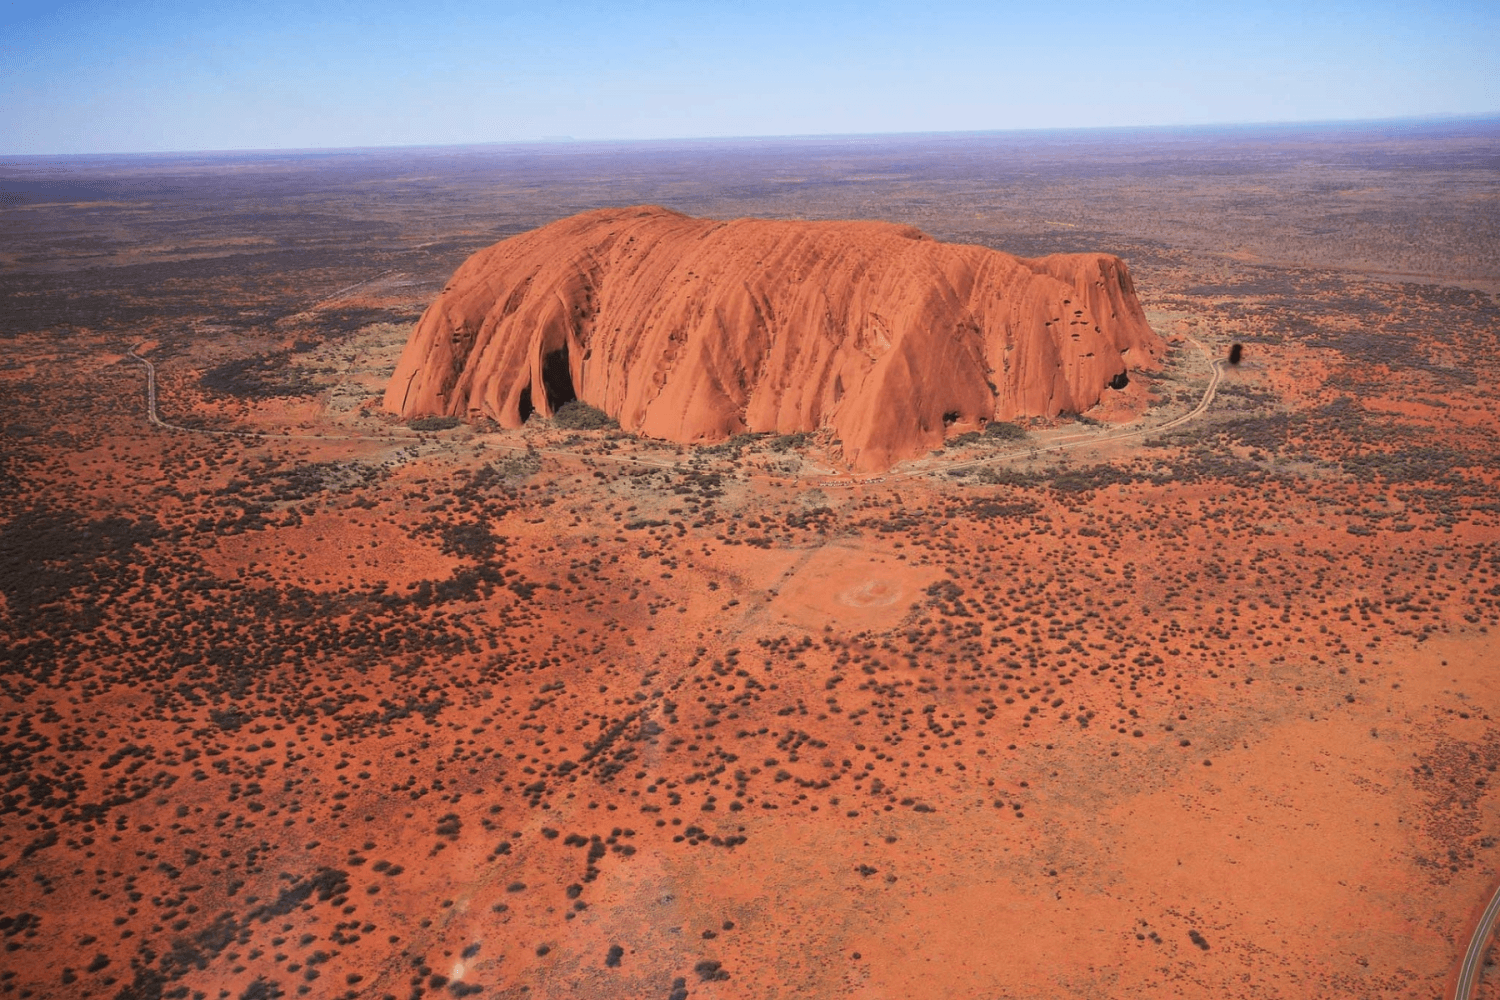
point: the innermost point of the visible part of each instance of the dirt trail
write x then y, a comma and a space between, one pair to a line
826, 482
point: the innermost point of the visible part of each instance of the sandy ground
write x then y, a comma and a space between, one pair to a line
458, 715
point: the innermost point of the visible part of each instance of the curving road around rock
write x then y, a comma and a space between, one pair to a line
834, 481
1472, 966
1216, 374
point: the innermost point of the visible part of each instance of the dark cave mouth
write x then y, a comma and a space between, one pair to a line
557, 385
557, 380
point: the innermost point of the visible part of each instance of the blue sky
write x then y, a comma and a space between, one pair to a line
142, 77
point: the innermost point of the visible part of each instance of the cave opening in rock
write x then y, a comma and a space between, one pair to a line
524, 404
1120, 381
557, 379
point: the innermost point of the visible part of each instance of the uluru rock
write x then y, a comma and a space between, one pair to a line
693, 330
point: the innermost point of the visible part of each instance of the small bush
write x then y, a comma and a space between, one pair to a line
577, 415
787, 442
1002, 430
710, 971
433, 423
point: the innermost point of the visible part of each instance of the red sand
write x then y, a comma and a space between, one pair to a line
242, 749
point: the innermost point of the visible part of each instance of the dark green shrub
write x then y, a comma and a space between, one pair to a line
433, 423
1002, 430
577, 415
786, 442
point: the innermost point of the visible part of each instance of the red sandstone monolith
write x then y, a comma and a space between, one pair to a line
693, 330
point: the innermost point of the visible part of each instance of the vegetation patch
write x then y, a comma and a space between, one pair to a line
1004, 430
262, 376
577, 415
425, 424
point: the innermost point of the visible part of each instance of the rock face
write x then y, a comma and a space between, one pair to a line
693, 330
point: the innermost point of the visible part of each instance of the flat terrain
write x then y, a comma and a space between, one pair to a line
1159, 701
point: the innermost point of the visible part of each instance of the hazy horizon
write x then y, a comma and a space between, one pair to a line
1488, 119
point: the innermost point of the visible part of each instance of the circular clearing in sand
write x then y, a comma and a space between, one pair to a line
871, 594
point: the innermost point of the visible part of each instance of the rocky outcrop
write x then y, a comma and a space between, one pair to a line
693, 330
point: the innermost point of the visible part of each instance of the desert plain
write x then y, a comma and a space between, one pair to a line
1188, 695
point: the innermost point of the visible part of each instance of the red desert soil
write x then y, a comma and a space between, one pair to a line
423, 714
331, 705
693, 330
